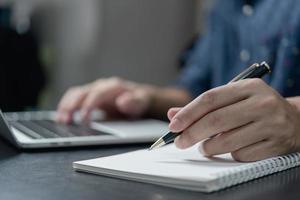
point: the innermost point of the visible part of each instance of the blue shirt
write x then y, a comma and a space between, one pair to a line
239, 35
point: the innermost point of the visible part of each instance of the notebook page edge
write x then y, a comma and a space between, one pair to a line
192, 185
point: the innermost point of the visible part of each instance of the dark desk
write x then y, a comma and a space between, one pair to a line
49, 175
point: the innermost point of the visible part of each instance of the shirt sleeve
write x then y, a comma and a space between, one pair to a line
196, 74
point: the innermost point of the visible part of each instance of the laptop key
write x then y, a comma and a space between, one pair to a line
45, 133
25, 130
55, 127
38, 129
69, 130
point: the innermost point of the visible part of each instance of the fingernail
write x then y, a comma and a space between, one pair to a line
201, 150
175, 125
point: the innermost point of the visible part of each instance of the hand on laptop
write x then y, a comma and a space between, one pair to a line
251, 119
119, 97
113, 95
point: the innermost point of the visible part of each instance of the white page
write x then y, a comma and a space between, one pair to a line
167, 161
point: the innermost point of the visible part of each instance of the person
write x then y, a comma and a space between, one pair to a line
252, 119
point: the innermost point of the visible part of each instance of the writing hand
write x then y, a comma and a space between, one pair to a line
248, 118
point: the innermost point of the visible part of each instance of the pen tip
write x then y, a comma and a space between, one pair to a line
152, 147
157, 144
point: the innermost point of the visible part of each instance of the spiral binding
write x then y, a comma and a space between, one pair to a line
256, 170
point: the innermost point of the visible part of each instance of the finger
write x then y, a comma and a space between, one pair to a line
221, 120
70, 102
235, 139
172, 112
212, 100
101, 94
258, 151
133, 103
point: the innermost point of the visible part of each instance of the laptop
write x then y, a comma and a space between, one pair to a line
39, 130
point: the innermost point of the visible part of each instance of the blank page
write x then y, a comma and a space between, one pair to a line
166, 161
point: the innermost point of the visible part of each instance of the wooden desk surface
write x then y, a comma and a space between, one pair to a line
48, 175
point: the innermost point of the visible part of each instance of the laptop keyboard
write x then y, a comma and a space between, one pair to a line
49, 129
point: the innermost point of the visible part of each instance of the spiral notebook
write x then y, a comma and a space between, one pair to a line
184, 169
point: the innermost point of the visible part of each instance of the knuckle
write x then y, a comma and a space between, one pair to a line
112, 81
269, 102
209, 97
272, 101
98, 81
254, 82
117, 83
214, 120
74, 89
235, 86
116, 80
182, 118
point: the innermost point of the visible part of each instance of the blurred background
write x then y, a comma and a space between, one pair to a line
47, 46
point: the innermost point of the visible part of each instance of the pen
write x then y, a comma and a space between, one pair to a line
254, 71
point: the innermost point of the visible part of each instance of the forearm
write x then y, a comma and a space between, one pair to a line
162, 99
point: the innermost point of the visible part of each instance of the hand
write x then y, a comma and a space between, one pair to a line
113, 95
247, 118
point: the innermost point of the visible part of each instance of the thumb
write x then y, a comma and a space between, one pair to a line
133, 103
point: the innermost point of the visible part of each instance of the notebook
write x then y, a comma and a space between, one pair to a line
184, 169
